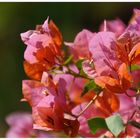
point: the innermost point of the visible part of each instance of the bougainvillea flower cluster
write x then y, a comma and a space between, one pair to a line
92, 92
21, 126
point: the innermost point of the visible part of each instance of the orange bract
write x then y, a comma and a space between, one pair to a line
34, 71
55, 33
124, 76
108, 102
121, 53
46, 56
128, 51
43, 49
119, 85
134, 55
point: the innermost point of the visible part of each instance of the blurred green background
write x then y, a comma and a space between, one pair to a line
20, 17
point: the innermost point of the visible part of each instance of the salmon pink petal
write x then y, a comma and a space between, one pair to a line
19, 122
29, 54
45, 25
80, 47
135, 17
132, 33
43, 46
103, 50
116, 26
108, 102
14, 117
33, 91
127, 106
134, 55
26, 36
125, 77
21, 126
74, 87
38, 40
61, 91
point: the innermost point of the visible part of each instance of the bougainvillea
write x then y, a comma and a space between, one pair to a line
93, 92
21, 126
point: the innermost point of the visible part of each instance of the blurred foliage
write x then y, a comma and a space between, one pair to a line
20, 17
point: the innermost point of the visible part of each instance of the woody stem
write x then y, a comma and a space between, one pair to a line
88, 105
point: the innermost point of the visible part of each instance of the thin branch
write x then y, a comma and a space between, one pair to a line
88, 105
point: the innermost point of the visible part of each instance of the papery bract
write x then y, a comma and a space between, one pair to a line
116, 26
48, 102
108, 71
107, 102
103, 50
106, 59
135, 16
80, 47
115, 85
43, 48
128, 42
21, 126
74, 88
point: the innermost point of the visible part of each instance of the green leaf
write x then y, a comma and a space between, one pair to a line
114, 124
135, 124
79, 66
79, 63
96, 124
135, 67
91, 85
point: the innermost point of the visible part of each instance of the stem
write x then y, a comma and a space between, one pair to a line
76, 74
88, 105
131, 117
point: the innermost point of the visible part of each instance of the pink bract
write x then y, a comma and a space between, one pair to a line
21, 126
116, 26
80, 47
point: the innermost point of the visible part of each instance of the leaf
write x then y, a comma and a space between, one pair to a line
135, 67
96, 124
135, 124
80, 67
114, 124
91, 85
